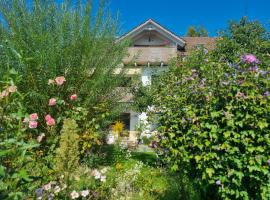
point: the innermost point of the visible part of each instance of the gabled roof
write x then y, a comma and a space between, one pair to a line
151, 23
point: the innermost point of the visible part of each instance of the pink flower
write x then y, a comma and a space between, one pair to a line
33, 116
4, 93
73, 97
50, 81
250, 59
240, 95
47, 117
33, 124
60, 80
12, 89
50, 122
52, 102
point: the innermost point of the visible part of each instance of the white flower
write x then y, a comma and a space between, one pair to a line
26, 120
74, 195
40, 137
64, 187
110, 139
96, 174
57, 189
47, 186
151, 109
104, 170
103, 178
85, 193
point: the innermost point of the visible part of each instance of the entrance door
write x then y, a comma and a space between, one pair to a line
125, 118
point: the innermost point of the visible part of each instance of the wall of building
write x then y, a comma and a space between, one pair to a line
152, 38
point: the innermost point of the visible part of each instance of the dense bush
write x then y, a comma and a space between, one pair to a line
44, 40
214, 115
63, 60
16, 147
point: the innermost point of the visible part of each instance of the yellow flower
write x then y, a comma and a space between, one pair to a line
118, 127
118, 166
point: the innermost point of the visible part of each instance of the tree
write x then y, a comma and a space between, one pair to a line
243, 37
198, 31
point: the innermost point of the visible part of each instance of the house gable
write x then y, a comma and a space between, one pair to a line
150, 33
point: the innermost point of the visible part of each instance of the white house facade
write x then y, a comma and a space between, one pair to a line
152, 46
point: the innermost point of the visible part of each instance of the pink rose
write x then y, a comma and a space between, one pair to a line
47, 117
33, 124
12, 89
73, 97
60, 80
50, 122
52, 102
33, 116
4, 93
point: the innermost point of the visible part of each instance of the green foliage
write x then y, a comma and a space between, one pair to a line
198, 31
142, 97
243, 37
214, 116
135, 180
48, 39
106, 155
16, 150
67, 155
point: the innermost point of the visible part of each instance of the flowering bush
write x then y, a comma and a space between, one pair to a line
16, 149
214, 120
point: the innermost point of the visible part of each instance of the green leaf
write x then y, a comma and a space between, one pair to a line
197, 158
23, 175
262, 124
2, 170
210, 172
227, 134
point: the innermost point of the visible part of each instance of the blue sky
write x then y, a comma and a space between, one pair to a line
178, 15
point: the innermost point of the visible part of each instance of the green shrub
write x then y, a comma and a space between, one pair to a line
16, 149
214, 119
67, 155
44, 40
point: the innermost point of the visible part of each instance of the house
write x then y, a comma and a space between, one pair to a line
152, 46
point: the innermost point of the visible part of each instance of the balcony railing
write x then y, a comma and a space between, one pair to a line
152, 55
